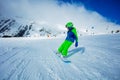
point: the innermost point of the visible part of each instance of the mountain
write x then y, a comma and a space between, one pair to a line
96, 58
17, 28
20, 27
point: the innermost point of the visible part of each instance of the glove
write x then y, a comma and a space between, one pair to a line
76, 44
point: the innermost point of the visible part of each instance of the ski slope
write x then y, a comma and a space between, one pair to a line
96, 58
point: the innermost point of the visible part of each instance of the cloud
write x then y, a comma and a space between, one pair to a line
51, 12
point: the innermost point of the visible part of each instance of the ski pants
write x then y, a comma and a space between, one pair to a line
63, 49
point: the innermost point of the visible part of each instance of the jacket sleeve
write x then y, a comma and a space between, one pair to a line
75, 33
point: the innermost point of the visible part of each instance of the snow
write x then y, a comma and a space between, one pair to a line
13, 27
96, 58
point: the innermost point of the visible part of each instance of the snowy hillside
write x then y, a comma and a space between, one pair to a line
96, 58
19, 27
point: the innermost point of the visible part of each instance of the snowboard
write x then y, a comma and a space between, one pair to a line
62, 59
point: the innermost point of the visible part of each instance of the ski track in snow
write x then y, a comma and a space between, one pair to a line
96, 58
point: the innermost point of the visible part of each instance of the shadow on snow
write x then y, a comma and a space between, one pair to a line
76, 50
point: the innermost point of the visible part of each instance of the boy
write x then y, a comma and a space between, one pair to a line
71, 37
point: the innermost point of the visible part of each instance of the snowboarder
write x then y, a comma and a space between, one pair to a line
71, 37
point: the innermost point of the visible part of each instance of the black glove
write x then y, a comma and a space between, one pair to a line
76, 44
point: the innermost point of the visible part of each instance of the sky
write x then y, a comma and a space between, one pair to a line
85, 14
107, 8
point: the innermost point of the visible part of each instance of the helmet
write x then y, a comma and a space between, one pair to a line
69, 24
